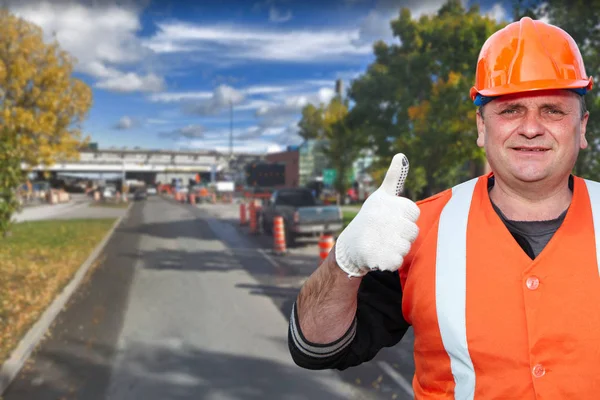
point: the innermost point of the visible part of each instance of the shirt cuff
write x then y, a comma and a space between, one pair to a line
314, 350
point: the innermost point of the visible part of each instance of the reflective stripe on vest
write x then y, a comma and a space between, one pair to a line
451, 280
593, 189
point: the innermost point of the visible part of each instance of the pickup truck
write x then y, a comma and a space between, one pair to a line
302, 214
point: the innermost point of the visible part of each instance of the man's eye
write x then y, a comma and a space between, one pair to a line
509, 111
555, 111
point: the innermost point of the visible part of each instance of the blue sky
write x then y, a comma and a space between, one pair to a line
165, 73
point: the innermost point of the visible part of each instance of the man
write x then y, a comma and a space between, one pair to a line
498, 276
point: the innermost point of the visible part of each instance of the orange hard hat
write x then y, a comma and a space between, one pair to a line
528, 55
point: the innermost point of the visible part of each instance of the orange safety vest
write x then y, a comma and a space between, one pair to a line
489, 322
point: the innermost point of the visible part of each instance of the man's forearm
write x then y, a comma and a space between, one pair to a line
327, 303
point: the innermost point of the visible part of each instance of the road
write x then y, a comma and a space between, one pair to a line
185, 304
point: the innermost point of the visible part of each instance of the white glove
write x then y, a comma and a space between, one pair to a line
381, 234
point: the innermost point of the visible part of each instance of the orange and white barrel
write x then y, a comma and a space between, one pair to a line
326, 243
279, 246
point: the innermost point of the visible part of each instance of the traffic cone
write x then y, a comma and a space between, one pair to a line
243, 220
253, 224
279, 246
326, 243
192, 198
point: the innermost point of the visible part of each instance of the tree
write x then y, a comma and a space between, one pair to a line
335, 128
41, 105
414, 98
343, 141
311, 124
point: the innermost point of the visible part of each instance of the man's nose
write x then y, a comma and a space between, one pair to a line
531, 126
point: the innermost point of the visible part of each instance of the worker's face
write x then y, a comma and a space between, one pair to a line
531, 137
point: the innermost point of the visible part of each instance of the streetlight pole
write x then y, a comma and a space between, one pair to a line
230, 129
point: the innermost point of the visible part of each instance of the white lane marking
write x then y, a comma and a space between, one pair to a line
397, 377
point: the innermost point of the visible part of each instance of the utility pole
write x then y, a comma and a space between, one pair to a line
230, 130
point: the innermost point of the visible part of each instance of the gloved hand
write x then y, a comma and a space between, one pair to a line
381, 234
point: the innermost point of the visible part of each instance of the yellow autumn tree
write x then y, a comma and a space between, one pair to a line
42, 105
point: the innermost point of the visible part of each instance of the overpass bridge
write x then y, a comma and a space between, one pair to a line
152, 165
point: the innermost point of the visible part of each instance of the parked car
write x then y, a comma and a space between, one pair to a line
140, 194
109, 192
302, 214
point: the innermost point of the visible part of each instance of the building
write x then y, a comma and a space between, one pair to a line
291, 160
311, 161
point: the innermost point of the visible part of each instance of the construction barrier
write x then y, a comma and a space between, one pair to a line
279, 246
326, 243
243, 220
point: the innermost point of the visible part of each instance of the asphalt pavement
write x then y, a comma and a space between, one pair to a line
185, 304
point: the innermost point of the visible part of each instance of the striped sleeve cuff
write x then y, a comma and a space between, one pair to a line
319, 351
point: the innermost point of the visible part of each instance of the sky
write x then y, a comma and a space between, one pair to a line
169, 74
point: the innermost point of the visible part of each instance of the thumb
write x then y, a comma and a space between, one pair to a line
393, 183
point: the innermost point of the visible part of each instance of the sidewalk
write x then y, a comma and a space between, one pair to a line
45, 211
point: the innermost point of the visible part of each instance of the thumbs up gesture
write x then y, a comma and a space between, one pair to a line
381, 234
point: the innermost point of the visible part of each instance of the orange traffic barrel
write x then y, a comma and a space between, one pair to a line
326, 243
253, 222
279, 246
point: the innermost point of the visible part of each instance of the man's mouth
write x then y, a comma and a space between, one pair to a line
531, 149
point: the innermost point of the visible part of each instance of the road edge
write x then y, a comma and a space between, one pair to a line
11, 367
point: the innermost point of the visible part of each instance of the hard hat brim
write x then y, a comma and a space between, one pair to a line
531, 86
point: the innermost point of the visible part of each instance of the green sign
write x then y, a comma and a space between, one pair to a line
330, 175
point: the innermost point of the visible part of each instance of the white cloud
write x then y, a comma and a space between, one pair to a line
222, 98
131, 82
237, 43
103, 39
179, 96
125, 123
498, 12
187, 132
277, 16
255, 146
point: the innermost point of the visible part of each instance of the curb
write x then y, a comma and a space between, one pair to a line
36, 333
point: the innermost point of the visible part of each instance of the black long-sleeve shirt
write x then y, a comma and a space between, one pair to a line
379, 321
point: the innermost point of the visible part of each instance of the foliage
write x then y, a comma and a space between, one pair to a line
414, 98
11, 176
341, 142
41, 104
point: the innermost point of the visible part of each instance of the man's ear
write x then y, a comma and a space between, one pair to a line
480, 129
583, 143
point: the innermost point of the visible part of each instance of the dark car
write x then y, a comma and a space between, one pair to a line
140, 194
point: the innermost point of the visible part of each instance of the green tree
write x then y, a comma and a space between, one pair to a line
414, 98
341, 140
311, 124
41, 106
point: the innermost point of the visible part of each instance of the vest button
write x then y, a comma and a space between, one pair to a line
532, 283
538, 371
